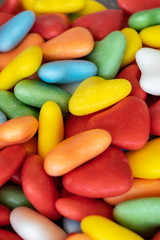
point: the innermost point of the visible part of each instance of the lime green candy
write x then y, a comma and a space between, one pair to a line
140, 215
12, 196
144, 19
36, 93
108, 54
13, 108
95, 93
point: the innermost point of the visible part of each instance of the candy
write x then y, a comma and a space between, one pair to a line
4, 17
155, 116
150, 36
71, 226
9, 6
99, 23
148, 62
4, 215
77, 42
40, 191
139, 215
12, 197
51, 128
78, 236
77, 208
91, 6
108, 54
67, 71
5, 235
31, 225
83, 100
36, 93
76, 150
108, 174
22, 66
3, 117
99, 228
13, 32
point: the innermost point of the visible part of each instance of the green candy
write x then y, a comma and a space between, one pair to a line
13, 108
36, 93
139, 215
144, 19
12, 196
108, 54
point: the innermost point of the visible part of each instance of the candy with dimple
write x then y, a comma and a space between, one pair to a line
76, 150
31, 225
108, 174
4, 215
130, 120
99, 23
67, 71
13, 32
77, 208
140, 215
77, 42
36, 93
100, 228
148, 60
107, 93
22, 66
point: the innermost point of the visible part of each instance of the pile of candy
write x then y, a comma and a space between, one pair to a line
79, 120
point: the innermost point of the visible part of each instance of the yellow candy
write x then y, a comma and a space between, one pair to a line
134, 43
28, 5
22, 66
91, 6
65, 6
145, 162
100, 228
51, 128
96, 93
150, 36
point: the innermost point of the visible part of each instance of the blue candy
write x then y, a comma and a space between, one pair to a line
13, 31
3, 117
67, 71
71, 226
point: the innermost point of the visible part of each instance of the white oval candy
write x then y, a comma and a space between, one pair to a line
31, 225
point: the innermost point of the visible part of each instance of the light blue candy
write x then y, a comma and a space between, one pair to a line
71, 226
13, 31
3, 117
67, 71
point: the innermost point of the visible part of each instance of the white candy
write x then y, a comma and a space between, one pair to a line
148, 60
31, 225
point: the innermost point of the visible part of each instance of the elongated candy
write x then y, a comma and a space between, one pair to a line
150, 36
13, 32
155, 116
91, 6
4, 216
76, 150
29, 224
71, 226
78, 236
24, 65
9, 6
3, 117
5, 235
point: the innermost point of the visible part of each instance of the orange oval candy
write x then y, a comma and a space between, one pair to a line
74, 43
31, 146
17, 130
141, 188
77, 236
76, 150
32, 39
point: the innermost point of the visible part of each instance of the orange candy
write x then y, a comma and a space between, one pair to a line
76, 150
31, 146
74, 43
17, 130
78, 236
141, 188
32, 39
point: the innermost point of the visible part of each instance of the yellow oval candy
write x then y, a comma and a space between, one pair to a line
96, 93
65, 6
28, 5
22, 66
91, 6
145, 162
134, 43
100, 228
51, 128
150, 36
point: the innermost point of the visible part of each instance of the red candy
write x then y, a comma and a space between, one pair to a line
6, 235
109, 174
76, 208
10, 160
51, 25
16, 177
157, 236
155, 118
4, 216
9, 6
39, 188
132, 73
128, 122
100, 24
4, 17
132, 6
